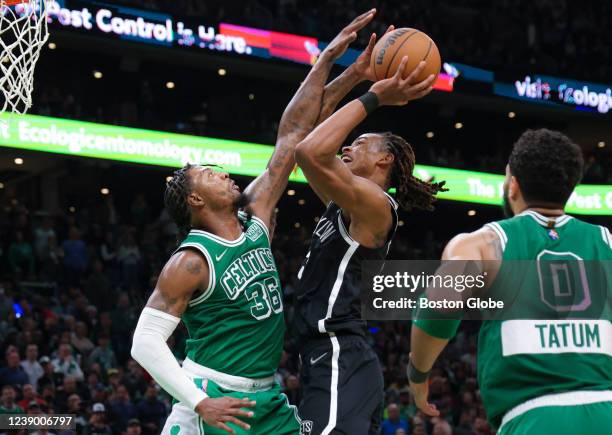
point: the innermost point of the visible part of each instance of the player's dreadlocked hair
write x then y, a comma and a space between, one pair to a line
411, 192
175, 200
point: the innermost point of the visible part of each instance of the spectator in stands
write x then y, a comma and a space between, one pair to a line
98, 288
31, 365
42, 235
128, 257
103, 354
393, 421
7, 401
151, 411
75, 407
124, 319
28, 394
97, 422
122, 409
75, 256
66, 364
133, 427
80, 339
13, 373
21, 256
441, 427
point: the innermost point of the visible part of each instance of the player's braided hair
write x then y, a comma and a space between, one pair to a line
411, 192
175, 199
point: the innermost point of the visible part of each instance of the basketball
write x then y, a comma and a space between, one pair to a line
393, 46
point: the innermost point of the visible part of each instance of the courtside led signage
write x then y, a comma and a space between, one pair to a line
560, 92
85, 139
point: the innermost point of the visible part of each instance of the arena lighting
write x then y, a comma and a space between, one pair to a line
316, 219
221, 72
297, 225
97, 74
171, 150
168, 178
291, 192
18, 161
301, 202
601, 144
52, 46
104, 191
400, 223
251, 97
511, 115
170, 85
1, 185
458, 125
471, 213
72, 209
430, 134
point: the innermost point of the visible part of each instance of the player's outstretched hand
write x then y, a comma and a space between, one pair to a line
421, 395
362, 64
340, 43
218, 412
397, 91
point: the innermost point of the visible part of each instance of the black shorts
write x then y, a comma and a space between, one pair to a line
342, 387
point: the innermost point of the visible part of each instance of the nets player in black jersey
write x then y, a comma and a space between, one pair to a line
341, 376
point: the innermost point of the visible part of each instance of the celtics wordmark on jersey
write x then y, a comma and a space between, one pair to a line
236, 324
522, 359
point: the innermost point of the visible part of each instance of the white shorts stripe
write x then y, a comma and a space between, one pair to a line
333, 402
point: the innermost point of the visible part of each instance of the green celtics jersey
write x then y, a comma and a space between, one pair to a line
236, 324
522, 358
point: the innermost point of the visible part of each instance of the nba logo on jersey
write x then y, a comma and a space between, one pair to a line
553, 234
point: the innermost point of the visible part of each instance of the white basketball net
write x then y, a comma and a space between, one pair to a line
23, 32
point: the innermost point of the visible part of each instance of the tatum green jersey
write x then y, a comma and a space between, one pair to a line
522, 359
236, 324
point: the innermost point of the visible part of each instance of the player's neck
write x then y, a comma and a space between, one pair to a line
545, 211
224, 225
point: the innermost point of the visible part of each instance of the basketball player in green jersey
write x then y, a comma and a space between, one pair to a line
535, 376
222, 281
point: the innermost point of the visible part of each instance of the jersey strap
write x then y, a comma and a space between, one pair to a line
605, 235
547, 221
211, 271
503, 237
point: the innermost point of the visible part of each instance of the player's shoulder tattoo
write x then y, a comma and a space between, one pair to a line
193, 266
493, 245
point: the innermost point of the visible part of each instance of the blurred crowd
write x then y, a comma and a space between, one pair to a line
543, 36
71, 290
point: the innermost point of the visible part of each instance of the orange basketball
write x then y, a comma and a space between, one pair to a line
392, 47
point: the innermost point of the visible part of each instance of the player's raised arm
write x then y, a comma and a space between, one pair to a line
312, 101
329, 176
184, 274
429, 337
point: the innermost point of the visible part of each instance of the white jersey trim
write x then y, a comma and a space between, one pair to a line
218, 239
606, 236
570, 398
335, 374
231, 382
544, 220
353, 245
501, 234
211, 273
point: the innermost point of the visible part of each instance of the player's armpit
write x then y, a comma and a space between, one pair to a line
185, 273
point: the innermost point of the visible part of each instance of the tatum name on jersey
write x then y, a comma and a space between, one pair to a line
236, 324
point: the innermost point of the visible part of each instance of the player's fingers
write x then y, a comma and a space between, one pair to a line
240, 412
361, 21
241, 403
225, 427
417, 71
400, 68
391, 28
237, 422
422, 85
371, 43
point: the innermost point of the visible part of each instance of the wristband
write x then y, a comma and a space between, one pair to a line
415, 375
370, 101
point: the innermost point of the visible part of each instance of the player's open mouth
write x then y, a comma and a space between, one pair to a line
234, 186
346, 158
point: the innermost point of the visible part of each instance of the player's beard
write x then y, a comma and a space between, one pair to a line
242, 201
506, 205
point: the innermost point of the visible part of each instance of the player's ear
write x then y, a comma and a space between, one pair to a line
195, 200
387, 159
514, 189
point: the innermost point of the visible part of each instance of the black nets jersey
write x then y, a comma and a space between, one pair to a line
328, 291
